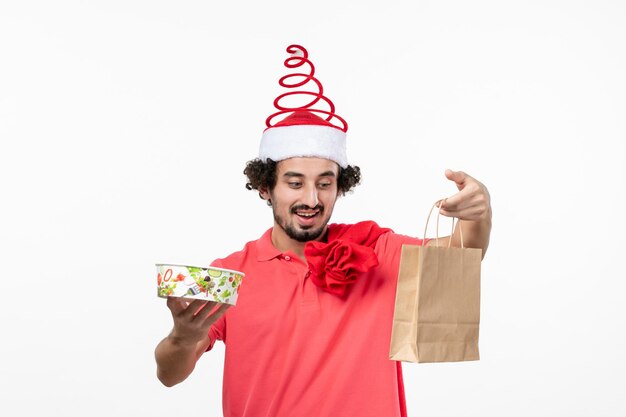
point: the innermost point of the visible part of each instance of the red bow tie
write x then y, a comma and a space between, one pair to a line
335, 264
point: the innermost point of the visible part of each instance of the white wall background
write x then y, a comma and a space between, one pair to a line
125, 126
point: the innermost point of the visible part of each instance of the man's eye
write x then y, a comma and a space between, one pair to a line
325, 184
294, 184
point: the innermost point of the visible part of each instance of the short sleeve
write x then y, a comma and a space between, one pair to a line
216, 332
391, 243
389, 248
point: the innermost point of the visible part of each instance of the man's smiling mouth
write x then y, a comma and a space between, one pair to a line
306, 213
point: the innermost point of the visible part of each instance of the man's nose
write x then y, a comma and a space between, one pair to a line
310, 197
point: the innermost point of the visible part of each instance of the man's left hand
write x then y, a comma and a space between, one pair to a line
472, 202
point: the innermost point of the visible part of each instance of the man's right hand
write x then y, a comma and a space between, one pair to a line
177, 354
192, 320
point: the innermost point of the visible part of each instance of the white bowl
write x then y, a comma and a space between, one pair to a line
199, 283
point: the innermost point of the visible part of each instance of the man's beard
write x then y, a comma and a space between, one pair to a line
301, 235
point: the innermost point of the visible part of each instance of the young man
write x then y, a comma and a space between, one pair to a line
310, 333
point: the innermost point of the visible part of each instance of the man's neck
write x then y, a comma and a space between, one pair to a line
284, 243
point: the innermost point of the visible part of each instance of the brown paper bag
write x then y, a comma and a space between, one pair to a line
437, 309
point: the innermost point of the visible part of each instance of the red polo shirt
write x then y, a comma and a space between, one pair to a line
295, 350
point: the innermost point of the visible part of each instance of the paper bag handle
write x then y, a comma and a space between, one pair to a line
437, 226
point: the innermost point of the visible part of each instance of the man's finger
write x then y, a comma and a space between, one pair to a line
459, 177
176, 304
455, 202
181, 306
470, 213
219, 312
196, 306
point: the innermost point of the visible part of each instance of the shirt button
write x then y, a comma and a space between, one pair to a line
287, 257
308, 273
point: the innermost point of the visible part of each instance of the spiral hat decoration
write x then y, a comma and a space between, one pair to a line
303, 133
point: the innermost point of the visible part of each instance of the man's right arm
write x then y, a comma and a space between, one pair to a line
176, 355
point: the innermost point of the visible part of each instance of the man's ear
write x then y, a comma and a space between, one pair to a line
264, 193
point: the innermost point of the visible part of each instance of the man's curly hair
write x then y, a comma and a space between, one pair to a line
263, 175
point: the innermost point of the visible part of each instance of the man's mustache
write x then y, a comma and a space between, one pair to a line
305, 207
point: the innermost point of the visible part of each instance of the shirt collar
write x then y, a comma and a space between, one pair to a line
265, 248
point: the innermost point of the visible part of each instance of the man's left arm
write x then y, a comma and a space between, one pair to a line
472, 205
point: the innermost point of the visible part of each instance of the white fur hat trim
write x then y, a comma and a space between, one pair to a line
283, 142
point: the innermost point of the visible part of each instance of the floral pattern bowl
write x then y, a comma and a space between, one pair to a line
200, 283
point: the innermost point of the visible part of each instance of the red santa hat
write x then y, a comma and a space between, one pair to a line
302, 133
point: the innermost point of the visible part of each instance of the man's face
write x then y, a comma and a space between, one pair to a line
304, 196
